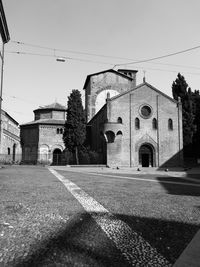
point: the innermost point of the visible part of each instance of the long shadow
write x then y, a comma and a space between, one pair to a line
169, 184
83, 243
80, 243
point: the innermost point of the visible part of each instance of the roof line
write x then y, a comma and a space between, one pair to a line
104, 71
3, 24
11, 118
138, 86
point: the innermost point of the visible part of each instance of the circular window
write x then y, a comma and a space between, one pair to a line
145, 111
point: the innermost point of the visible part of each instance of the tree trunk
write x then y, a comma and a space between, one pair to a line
76, 155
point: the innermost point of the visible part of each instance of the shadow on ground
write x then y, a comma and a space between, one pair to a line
83, 243
180, 189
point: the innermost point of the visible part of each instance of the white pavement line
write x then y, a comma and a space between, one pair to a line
143, 179
133, 247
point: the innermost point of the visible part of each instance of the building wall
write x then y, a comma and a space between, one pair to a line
50, 114
50, 139
4, 38
40, 141
29, 140
95, 131
51, 135
122, 111
101, 82
10, 133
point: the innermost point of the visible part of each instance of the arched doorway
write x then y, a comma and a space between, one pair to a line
57, 154
146, 155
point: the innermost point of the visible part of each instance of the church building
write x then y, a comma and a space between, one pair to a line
41, 139
132, 125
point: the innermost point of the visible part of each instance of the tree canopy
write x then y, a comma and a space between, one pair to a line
191, 111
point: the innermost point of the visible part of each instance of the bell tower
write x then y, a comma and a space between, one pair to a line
97, 86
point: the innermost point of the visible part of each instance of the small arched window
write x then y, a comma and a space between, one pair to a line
110, 136
154, 124
61, 130
119, 120
170, 124
119, 133
137, 124
8, 150
119, 136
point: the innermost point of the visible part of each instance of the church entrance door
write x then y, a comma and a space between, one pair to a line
146, 155
57, 154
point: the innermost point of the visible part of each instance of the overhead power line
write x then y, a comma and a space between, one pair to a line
115, 57
57, 57
160, 57
99, 62
65, 50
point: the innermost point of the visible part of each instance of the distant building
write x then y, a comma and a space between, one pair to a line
136, 126
41, 139
4, 38
10, 150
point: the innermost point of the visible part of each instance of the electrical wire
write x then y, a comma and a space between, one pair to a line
115, 57
160, 57
53, 56
20, 99
98, 62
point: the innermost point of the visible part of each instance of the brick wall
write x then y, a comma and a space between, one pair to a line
166, 143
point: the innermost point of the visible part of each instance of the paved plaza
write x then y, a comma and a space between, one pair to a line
98, 216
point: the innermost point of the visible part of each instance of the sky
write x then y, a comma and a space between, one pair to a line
93, 36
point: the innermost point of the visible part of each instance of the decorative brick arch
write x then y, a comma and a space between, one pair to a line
148, 141
108, 80
43, 147
57, 147
147, 155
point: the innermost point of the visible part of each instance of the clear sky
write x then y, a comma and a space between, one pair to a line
124, 31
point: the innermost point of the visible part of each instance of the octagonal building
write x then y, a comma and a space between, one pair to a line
41, 139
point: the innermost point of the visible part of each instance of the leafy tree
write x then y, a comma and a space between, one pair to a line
75, 125
180, 89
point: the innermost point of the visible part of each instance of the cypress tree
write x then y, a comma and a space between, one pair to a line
75, 126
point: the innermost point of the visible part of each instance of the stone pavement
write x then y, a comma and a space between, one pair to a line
173, 172
191, 255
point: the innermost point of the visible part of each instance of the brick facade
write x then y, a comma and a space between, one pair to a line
10, 149
109, 80
42, 138
139, 127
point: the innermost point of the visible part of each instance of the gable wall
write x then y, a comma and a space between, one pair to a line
166, 143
